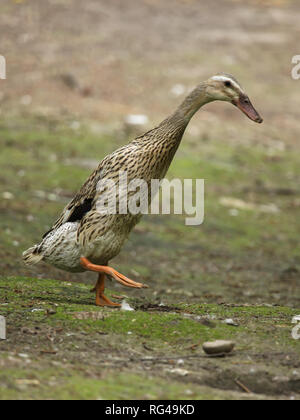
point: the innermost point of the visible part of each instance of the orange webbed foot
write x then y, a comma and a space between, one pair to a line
111, 272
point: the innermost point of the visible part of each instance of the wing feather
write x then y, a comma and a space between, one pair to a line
81, 204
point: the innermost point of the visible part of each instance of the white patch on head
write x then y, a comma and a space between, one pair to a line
221, 78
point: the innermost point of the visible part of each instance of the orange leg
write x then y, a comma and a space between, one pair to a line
101, 299
111, 272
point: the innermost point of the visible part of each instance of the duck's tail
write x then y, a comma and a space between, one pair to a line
32, 256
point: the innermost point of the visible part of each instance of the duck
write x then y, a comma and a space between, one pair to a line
86, 238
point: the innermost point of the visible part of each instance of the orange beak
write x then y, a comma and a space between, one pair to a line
245, 105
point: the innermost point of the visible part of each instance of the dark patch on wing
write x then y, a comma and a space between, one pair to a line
81, 210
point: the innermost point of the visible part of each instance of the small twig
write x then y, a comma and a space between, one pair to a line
243, 387
194, 347
190, 356
146, 347
48, 352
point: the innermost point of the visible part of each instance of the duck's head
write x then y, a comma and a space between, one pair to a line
224, 87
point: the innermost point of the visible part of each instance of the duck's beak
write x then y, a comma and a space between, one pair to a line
245, 105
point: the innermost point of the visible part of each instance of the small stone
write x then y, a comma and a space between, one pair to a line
69, 80
218, 347
75, 125
23, 356
296, 319
51, 312
7, 195
27, 382
189, 392
26, 100
179, 372
234, 212
126, 307
52, 197
281, 379
231, 322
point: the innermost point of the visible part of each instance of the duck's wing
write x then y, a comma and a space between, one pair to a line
85, 200
81, 204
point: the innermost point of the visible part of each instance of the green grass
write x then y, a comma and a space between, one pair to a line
230, 267
80, 367
58, 385
34, 297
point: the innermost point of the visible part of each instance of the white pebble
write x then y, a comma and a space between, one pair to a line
23, 355
126, 307
75, 125
7, 195
178, 371
296, 319
234, 212
231, 322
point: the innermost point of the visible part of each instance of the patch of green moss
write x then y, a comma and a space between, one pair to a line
57, 384
34, 297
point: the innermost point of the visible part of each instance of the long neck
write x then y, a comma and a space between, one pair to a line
166, 138
178, 121
192, 103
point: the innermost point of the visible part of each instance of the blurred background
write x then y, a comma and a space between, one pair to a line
78, 74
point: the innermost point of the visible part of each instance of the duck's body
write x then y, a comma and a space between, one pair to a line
84, 238
82, 230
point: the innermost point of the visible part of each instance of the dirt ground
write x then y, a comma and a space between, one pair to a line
75, 70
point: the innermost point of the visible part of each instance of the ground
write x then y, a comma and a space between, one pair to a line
74, 72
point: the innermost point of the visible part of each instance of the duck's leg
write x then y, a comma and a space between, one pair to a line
101, 299
111, 272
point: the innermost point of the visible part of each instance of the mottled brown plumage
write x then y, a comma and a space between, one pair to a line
83, 238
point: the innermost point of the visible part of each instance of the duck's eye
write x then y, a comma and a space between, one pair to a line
228, 84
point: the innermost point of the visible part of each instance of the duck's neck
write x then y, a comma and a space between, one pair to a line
177, 123
163, 141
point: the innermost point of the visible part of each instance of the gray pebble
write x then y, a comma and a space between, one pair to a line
218, 347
